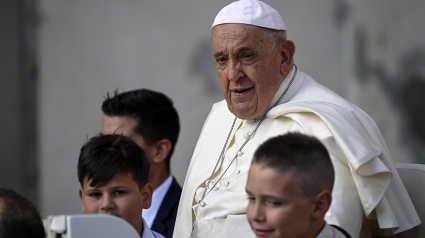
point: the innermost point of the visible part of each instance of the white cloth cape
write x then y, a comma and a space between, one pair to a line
363, 150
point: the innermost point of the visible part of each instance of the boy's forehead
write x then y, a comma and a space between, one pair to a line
119, 179
270, 181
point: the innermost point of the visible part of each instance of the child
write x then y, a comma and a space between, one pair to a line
113, 172
289, 189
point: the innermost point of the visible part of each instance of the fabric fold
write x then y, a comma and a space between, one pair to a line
369, 162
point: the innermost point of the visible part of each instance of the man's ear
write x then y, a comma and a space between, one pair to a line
322, 202
80, 193
287, 48
147, 192
161, 150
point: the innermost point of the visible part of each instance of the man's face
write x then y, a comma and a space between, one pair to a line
276, 205
248, 67
124, 125
120, 197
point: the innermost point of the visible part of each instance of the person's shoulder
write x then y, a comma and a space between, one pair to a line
313, 91
175, 186
221, 105
219, 112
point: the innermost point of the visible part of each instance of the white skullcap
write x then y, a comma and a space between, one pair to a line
251, 12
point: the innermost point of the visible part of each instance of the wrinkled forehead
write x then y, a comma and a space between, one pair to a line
233, 34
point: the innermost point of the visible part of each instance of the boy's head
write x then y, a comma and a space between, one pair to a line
18, 217
113, 172
149, 118
289, 187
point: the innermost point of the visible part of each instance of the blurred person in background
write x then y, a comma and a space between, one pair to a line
19, 218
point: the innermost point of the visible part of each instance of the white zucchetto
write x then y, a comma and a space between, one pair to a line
251, 12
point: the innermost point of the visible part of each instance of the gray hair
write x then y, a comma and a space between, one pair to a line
278, 35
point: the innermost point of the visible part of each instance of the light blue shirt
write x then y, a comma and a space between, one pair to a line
148, 233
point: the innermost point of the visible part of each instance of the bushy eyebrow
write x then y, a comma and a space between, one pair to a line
218, 54
242, 49
111, 188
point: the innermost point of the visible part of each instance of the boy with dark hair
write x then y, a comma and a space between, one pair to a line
151, 120
113, 172
290, 189
19, 218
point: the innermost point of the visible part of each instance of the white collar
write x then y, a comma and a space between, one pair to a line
148, 233
157, 198
330, 232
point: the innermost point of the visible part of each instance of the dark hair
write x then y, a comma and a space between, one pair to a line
303, 155
104, 156
157, 117
19, 218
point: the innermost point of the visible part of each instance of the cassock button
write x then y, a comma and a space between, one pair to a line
246, 136
240, 153
238, 171
202, 203
226, 183
215, 188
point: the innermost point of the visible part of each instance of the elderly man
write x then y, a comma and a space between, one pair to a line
267, 95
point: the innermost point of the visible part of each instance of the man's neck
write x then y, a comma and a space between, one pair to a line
158, 177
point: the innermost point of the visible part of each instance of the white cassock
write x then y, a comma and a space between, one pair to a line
366, 181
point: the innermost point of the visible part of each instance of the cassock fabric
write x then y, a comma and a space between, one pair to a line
166, 216
366, 181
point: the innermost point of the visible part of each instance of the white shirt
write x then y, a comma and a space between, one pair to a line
148, 233
157, 198
330, 232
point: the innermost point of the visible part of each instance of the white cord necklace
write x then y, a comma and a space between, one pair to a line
221, 157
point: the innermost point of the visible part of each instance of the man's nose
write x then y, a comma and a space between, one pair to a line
107, 203
234, 71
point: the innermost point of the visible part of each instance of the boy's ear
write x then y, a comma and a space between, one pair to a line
80, 193
161, 150
147, 192
322, 202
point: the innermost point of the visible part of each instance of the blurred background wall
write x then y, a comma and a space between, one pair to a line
59, 58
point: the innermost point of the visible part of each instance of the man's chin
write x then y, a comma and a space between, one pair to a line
244, 112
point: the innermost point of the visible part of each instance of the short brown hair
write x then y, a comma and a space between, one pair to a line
104, 156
